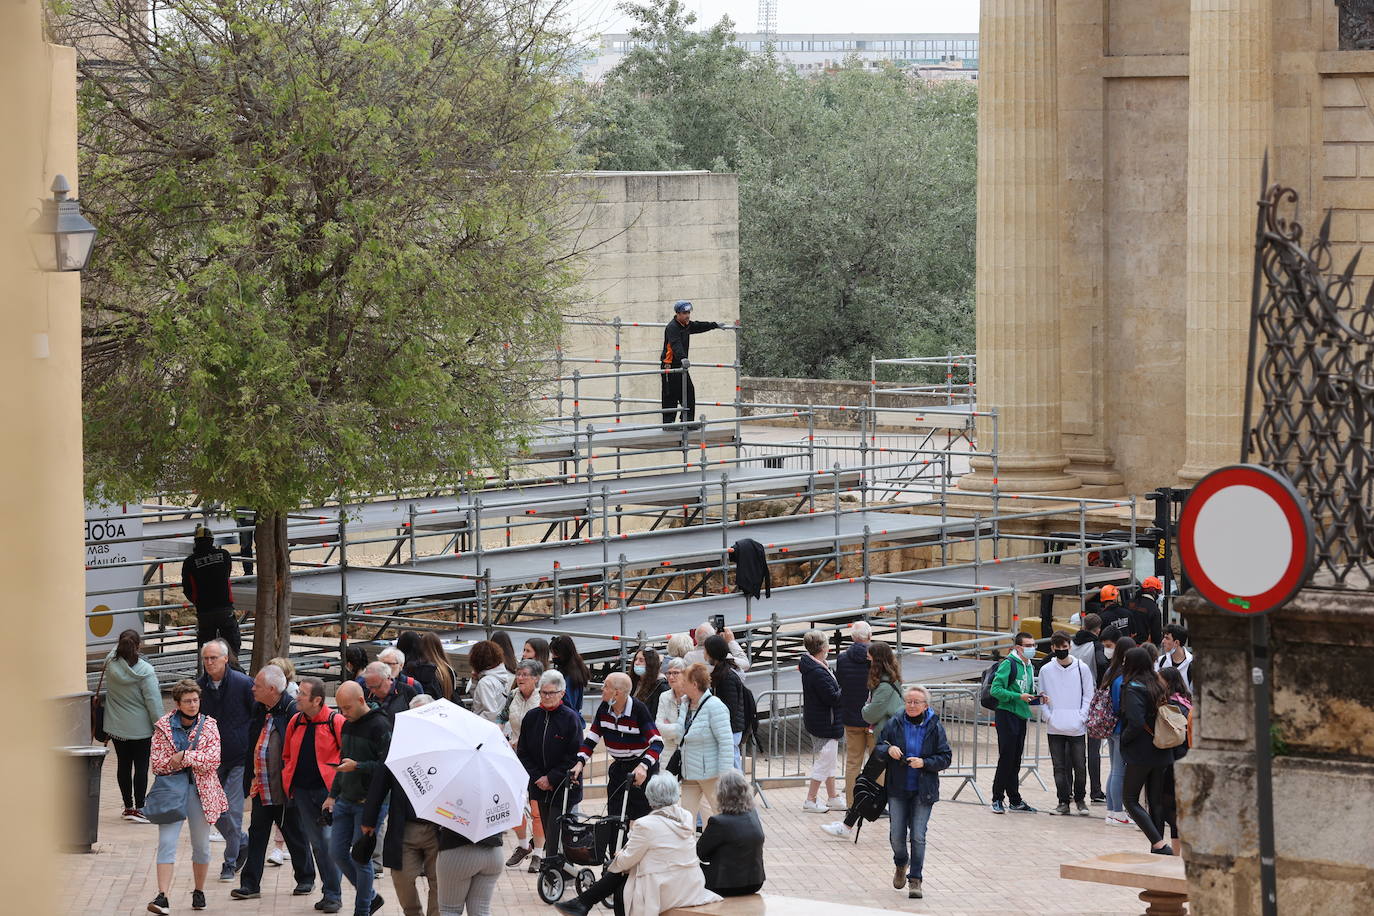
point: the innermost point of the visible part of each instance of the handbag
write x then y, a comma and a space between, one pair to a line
674, 764
98, 733
166, 800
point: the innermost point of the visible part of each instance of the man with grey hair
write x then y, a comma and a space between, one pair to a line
851, 670
389, 693
264, 787
226, 695
705, 631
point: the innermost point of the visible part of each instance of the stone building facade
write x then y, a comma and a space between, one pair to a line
1120, 147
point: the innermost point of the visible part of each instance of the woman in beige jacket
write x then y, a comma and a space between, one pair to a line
657, 869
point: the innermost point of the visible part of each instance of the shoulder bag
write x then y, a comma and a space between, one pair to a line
674, 764
98, 732
166, 800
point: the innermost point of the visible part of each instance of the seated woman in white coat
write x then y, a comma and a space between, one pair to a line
657, 868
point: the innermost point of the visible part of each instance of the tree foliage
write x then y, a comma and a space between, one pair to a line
857, 190
330, 256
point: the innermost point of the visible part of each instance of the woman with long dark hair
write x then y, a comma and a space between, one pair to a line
132, 707
1145, 764
1176, 689
1115, 650
502, 639
576, 675
445, 679
727, 684
537, 649
649, 683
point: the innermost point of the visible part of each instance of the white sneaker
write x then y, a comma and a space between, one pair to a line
275, 857
815, 806
1114, 821
838, 829
837, 804
216, 837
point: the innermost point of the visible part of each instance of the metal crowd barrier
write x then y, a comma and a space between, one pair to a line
789, 753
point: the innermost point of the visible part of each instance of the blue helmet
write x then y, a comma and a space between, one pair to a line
682, 305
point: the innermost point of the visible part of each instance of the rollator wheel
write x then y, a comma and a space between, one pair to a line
585, 879
551, 885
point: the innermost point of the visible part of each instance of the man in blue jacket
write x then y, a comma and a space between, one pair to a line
851, 670
226, 695
917, 750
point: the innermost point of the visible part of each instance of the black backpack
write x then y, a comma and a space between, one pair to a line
751, 720
985, 697
870, 796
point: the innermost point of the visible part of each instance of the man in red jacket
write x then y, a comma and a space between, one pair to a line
314, 737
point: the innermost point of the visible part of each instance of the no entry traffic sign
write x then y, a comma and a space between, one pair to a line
1246, 539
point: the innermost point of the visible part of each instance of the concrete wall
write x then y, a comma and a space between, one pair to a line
651, 238
838, 392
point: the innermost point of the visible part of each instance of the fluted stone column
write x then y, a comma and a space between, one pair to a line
1018, 242
1230, 117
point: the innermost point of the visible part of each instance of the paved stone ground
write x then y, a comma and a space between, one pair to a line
976, 863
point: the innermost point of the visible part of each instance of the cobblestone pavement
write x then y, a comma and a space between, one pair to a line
976, 863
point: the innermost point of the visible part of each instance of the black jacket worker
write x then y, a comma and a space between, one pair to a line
205, 580
677, 342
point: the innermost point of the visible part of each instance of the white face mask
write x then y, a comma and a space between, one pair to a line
1109, 651
1028, 652
639, 670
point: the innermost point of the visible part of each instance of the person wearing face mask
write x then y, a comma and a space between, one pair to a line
1013, 686
1066, 690
647, 676
549, 738
1115, 647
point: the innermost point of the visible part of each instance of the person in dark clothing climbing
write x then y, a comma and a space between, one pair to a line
677, 386
205, 580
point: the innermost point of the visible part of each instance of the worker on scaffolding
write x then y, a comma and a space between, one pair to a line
677, 386
205, 580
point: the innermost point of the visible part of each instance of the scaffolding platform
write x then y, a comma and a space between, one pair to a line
454, 512
554, 442
452, 576
938, 588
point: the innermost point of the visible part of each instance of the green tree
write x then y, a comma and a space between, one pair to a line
685, 85
857, 209
330, 256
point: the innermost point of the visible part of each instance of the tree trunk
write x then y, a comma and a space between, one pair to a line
272, 610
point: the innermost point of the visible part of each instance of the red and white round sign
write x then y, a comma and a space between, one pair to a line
1245, 538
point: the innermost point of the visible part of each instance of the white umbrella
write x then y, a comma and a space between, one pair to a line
457, 770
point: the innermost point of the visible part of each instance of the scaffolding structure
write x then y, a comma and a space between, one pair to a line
616, 531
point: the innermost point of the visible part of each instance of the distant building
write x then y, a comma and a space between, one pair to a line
938, 52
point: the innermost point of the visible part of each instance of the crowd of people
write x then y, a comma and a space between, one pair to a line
319, 796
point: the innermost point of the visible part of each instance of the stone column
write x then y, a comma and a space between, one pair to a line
1230, 117
1018, 240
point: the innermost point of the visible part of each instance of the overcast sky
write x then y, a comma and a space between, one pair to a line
594, 16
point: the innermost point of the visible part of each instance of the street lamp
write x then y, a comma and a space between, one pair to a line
63, 238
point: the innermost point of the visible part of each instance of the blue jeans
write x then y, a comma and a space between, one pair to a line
909, 819
230, 823
348, 824
738, 759
1117, 776
308, 802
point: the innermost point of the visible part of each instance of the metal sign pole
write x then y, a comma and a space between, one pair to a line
1264, 778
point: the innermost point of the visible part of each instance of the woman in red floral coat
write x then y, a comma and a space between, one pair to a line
186, 741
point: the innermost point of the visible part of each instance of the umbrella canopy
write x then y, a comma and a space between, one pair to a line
457, 770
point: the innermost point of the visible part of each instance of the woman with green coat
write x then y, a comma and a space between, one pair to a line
132, 707
884, 687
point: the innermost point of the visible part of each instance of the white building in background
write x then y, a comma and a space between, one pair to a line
948, 55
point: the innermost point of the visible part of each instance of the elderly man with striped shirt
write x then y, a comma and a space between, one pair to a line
633, 741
